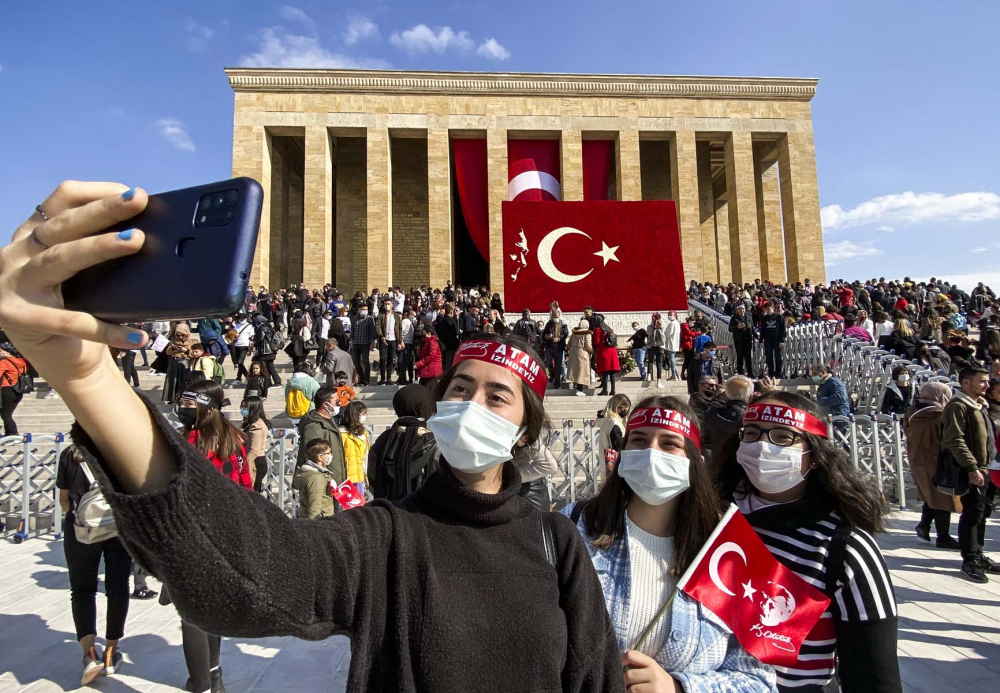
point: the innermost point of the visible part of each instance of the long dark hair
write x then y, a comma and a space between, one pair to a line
255, 413
216, 434
832, 480
698, 511
351, 418
535, 419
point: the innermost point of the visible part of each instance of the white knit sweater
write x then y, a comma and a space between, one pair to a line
650, 559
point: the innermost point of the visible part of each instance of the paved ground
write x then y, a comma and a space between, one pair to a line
949, 632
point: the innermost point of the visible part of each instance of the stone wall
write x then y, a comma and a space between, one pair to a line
410, 224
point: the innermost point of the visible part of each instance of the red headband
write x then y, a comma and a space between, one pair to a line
786, 416
667, 419
518, 362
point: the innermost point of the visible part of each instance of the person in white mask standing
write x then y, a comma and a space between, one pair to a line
640, 547
817, 515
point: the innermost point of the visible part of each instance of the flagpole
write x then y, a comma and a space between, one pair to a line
687, 574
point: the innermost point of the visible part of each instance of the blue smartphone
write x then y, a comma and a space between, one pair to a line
195, 262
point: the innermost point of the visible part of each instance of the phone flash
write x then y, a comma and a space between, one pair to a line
203, 219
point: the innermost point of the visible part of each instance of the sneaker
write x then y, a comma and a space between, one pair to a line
988, 565
581, 393
237, 383
659, 384
143, 593
948, 543
93, 666
974, 573
923, 532
112, 661
52, 394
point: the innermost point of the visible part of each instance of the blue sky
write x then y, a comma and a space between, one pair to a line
905, 115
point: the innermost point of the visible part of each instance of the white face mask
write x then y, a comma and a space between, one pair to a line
363, 419
771, 468
471, 437
654, 475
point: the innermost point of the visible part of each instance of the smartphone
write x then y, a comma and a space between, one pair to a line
195, 262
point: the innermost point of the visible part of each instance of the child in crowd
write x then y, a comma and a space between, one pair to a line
354, 436
312, 481
257, 382
345, 393
202, 362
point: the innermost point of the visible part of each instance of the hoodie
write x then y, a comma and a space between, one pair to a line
304, 382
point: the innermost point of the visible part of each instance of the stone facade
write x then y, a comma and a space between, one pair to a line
357, 171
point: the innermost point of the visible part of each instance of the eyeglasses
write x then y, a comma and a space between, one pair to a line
782, 437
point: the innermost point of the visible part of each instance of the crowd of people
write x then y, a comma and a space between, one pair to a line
453, 520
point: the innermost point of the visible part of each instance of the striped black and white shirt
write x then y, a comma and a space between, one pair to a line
862, 605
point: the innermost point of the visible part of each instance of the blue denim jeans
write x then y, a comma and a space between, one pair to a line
640, 359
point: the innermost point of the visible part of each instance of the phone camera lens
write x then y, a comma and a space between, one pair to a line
228, 216
219, 199
206, 202
231, 196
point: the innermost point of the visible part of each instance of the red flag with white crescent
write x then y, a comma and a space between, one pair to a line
533, 170
347, 495
769, 608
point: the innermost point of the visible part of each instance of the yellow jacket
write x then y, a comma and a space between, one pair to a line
355, 454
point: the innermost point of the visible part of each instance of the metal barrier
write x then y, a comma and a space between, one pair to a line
29, 500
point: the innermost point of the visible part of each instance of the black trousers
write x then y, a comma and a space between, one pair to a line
362, 363
239, 354
772, 357
554, 362
972, 522
386, 360
201, 654
271, 371
260, 465
688, 355
744, 357
940, 518
8, 403
604, 382
448, 359
406, 364
128, 367
654, 355
84, 561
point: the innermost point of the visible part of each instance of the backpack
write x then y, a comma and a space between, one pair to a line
296, 403
611, 339
408, 457
24, 384
93, 520
219, 373
276, 342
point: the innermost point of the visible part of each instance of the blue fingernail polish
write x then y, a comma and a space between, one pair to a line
134, 338
128, 194
125, 235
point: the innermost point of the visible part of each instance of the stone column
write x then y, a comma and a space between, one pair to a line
278, 276
742, 203
252, 158
706, 215
439, 206
684, 193
496, 158
627, 170
294, 259
800, 208
317, 222
572, 165
772, 251
722, 240
379, 209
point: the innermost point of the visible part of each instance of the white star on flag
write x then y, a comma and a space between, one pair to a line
607, 253
748, 589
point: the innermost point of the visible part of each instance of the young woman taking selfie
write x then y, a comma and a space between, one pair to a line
450, 589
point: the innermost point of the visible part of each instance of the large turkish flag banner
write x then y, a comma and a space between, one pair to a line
614, 256
770, 609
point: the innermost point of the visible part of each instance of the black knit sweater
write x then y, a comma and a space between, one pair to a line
448, 590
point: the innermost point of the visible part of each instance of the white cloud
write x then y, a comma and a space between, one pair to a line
980, 249
174, 132
886, 229
294, 14
359, 28
844, 251
422, 39
278, 48
914, 208
198, 36
492, 50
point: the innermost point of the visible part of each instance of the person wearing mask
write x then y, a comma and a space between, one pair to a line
83, 562
470, 322
405, 455
922, 428
13, 368
708, 396
244, 336
743, 331
208, 431
606, 360
555, 335
643, 530
637, 342
408, 328
705, 363
883, 327
312, 480
723, 420
611, 431
657, 346
255, 427
387, 329
817, 515
703, 339
354, 438
428, 365
832, 392
201, 362
320, 423
673, 346
580, 349
177, 355
688, 334
866, 323
968, 435
363, 336
345, 393
525, 327
336, 360
898, 393
447, 329
772, 335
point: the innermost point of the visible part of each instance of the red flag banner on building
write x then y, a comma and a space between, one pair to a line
770, 609
347, 495
533, 170
615, 256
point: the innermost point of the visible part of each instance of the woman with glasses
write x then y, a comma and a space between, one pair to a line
817, 515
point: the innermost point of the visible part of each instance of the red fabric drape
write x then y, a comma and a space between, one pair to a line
533, 170
596, 169
473, 191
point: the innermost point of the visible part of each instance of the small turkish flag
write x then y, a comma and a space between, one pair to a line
533, 170
770, 609
347, 495
615, 256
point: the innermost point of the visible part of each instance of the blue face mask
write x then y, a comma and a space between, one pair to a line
817, 378
711, 354
244, 412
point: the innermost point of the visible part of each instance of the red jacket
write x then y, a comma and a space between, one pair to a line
687, 337
429, 363
607, 357
235, 468
11, 368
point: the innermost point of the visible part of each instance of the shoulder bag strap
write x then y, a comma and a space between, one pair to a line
837, 560
576, 512
90, 475
548, 540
